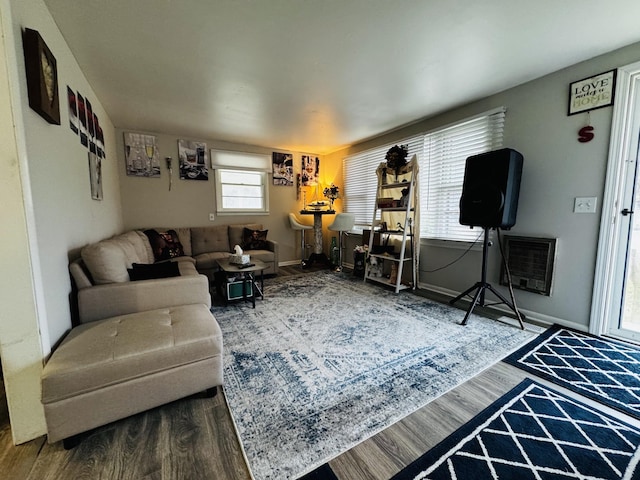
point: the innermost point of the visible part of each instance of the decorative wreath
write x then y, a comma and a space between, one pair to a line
397, 157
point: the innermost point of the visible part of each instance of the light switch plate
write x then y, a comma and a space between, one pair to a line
212, 217
585, 205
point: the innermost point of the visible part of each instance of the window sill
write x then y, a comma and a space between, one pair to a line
245, 213
456, 245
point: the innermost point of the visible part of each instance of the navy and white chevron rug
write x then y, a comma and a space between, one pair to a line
604, 370
534, 432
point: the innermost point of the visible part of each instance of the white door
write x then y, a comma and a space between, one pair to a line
616, 303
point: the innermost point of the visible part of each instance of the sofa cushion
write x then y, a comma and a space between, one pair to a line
208, 261
106, 261
184, 234
236, 233
210, 239
254, 239
165, 244
107, 352
186, 265
148, 271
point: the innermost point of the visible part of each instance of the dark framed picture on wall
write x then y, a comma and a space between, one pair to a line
42, 77
592, 92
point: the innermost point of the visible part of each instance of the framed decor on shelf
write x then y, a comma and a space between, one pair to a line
42, 77
592, 92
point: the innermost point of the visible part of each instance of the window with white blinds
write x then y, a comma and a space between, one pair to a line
361, 182
442, 173
441, 158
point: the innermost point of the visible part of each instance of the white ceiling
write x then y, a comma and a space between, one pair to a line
315, 75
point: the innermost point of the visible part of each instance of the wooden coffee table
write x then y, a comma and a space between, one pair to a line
247, 275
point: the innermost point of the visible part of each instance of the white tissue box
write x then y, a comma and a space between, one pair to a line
240, 259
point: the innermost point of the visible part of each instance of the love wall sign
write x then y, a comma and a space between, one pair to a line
591, 93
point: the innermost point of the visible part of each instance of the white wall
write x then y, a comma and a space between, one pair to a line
59, 214
147, 202
65, 215
557, 168
20, 343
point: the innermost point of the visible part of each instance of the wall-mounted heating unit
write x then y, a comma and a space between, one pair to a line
530, 262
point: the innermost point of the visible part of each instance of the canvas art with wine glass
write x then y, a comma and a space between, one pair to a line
141, 155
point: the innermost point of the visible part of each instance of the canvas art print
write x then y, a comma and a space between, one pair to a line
193, 160
310, 170
73, 110
282, 169
91, 127
141, 155
99, 137
95, 176
82, 116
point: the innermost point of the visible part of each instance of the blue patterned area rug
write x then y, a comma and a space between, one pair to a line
326, 361
601, 369
534, 432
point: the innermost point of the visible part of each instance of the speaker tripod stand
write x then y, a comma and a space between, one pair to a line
481, 287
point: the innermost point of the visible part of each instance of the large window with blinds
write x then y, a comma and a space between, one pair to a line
361, 180
442, 173
441, 158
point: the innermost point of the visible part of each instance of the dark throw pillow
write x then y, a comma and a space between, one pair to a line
148, 271
165, 245
254, 239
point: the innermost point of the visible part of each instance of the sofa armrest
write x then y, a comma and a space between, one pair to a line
104, 301
275, 248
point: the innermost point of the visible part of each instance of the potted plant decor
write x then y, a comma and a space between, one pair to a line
331, 193
396, 158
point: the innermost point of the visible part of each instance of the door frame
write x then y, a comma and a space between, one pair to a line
608, 280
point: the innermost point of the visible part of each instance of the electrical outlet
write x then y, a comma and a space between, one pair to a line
585, 205
212, 217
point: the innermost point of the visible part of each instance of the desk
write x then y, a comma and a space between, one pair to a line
317, 255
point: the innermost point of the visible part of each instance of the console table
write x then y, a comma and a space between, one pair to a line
317, 255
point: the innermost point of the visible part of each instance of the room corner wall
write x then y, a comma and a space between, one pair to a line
53, 215
20, 342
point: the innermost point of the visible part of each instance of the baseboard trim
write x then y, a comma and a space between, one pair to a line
288, 263
537, 317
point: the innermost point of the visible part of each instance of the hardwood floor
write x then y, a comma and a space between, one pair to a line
194, 438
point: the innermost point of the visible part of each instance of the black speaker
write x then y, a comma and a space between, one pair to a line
491, 188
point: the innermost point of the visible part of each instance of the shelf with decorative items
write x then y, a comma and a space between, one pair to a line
394, 220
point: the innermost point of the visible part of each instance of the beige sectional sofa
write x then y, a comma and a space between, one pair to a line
101, 275
142, 342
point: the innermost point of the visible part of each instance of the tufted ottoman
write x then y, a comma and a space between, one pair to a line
113, 368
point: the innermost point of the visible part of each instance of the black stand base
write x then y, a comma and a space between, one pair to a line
478, 299
481, 287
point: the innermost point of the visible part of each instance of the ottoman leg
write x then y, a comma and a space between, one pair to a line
211, 392
72, 442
